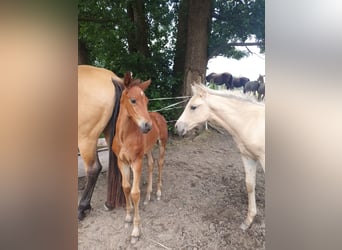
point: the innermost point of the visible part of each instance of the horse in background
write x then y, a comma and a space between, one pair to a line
220, 79
242, 118
238, 82
256, 87
137, 131
227, 79
98, 103
261, 90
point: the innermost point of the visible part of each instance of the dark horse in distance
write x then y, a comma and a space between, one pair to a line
227, 79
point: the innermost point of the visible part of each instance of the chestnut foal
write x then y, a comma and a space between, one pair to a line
137, 131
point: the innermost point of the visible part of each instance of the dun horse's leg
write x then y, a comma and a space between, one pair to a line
126, 186
150, 177
93, 169
250, 172
160, 168
135, 194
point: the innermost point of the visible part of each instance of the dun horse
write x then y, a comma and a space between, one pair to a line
243, 119
97, 99
137, 132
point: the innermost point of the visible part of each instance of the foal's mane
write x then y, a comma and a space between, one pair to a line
134, 82
230, 94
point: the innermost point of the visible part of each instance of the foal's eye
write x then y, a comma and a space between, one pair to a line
133, 101
192, 107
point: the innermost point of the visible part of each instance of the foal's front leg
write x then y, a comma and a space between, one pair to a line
250, 172
135, 194
126, 186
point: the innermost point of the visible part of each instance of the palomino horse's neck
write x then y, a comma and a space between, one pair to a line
230, 112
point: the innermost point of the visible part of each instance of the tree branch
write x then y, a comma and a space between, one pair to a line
95, 20
245, 44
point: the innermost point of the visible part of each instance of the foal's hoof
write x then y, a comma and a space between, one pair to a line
134, 239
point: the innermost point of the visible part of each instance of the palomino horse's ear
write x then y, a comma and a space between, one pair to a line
127, 79
193, 89
145, 84
198, 89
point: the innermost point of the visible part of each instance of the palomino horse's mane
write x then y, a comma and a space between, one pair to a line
229, 94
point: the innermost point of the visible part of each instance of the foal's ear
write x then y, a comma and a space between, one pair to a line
145, 84
127, 79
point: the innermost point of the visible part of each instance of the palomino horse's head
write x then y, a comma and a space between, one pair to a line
196, 111
135, 102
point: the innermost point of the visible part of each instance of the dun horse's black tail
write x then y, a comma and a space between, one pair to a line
115, 195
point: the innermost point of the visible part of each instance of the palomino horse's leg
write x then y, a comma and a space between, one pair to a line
250, 172
126, 186
150, 177
135, 194
93, 169
160, 167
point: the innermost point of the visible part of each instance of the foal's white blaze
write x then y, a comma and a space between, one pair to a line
243, 119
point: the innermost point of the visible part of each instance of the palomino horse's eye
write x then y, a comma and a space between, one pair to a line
192, 107
133, 101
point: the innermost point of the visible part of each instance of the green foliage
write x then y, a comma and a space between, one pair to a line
236, 21
105, 27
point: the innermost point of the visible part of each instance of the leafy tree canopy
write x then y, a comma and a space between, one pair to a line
109, 34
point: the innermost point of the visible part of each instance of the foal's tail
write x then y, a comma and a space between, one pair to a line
115, 195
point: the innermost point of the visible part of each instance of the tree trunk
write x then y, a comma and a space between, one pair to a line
181, 39
138, 39
83, 57
196, 56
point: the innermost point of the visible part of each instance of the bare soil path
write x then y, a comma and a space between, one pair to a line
204, 201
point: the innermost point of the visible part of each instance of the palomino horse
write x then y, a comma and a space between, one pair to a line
136, 133
96, 101
243, 119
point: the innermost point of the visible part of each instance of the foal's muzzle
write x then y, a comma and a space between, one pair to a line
145, 127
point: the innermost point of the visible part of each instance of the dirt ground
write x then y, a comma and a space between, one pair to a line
204, 201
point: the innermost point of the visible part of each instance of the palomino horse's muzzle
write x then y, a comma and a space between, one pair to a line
180, 127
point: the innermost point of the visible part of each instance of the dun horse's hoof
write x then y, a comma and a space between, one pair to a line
83, 212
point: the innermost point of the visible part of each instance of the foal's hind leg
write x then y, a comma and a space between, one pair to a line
250, 172
93, 168
160, 168
150, 177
